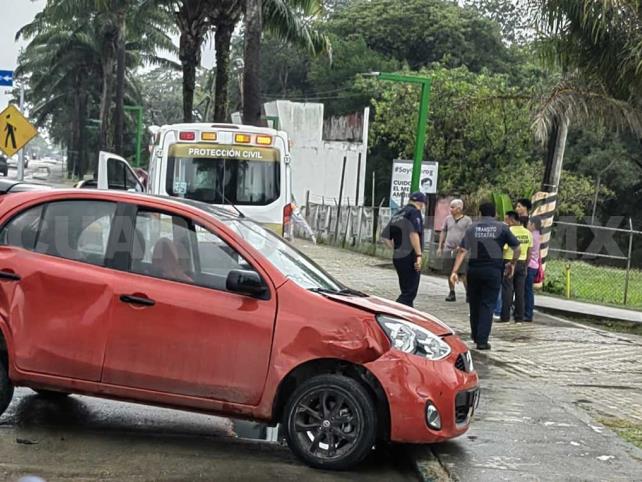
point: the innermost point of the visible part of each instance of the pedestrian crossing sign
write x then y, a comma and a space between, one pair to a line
15, 131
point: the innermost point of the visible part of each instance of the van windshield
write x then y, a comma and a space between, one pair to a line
224, 174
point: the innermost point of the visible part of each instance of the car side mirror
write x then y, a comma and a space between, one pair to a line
247, 283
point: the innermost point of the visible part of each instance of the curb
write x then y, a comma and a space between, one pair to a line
427, 465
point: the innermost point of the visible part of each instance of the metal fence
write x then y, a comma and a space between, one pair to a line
599, 264
595, 263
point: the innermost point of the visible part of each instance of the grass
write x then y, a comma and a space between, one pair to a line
629, 431
598, 284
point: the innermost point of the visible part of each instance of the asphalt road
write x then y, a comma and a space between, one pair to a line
86, 439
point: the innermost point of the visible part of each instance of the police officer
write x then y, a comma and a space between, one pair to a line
484, 241
405, 232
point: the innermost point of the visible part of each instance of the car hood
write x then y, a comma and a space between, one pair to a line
377, 305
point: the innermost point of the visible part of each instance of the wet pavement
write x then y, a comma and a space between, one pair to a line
544, 385
88, 439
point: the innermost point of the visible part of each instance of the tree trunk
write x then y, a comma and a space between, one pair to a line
252, 57
73, 154
106, 100
223, 40
555, 155
119, 113
190, 57
82, 146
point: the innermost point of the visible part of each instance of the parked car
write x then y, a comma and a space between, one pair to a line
181, 304
4, 166
13, 161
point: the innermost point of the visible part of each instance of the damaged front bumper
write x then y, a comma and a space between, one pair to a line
430, 401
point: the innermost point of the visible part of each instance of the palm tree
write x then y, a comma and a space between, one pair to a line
60, 60
112, 19
290, 20
598, 46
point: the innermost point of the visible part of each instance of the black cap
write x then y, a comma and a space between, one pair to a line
418, 196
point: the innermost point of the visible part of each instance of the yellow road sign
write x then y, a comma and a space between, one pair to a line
15, 131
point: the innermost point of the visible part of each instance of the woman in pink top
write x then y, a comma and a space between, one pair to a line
535, 227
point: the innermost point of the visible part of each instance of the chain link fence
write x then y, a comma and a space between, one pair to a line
598, 264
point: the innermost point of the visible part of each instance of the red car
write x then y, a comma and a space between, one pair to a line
180, 304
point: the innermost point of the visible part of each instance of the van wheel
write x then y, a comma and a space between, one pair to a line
6, 388
52, 394
331, 422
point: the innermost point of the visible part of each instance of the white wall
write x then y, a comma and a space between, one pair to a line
317, 164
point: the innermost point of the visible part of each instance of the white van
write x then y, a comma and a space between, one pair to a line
221, 164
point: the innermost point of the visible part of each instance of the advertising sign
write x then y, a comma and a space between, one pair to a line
402, 176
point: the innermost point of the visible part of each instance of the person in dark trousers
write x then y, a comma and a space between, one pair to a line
405, 232
484, 242
514, 288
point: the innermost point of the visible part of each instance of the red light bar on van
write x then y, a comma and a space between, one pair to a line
187, 136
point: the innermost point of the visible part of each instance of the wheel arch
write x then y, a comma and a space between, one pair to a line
330, 366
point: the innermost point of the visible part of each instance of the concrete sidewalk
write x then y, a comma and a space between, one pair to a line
545, 386
561, 305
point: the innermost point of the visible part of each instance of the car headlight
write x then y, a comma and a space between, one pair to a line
410, 338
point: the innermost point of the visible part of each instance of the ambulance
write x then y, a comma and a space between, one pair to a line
239, 166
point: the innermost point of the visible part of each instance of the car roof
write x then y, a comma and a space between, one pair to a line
49, 193
12, 185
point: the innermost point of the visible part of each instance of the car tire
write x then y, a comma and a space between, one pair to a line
327, 436
51, 394
6, 388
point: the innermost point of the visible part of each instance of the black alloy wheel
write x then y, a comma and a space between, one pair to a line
331, 422
6, 388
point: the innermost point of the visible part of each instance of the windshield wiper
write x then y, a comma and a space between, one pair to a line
344, 292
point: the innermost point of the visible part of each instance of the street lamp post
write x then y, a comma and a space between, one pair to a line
422, 122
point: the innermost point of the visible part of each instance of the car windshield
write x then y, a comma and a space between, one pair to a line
288, 260
224, 175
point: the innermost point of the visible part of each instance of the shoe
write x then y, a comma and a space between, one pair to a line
495, 317
483, 346
501, 321
451, 296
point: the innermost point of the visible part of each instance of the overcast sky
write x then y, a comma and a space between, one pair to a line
21, 12
17, 14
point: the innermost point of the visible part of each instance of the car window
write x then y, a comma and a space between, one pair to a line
21, 231
76, 230
173, 248
131, 182
116, 174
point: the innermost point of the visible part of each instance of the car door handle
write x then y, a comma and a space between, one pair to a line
9, 276
137, 300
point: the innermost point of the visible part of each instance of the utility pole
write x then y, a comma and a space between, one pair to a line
21, 154
545, 201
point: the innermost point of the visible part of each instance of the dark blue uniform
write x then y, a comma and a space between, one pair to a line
484, 240
407, 220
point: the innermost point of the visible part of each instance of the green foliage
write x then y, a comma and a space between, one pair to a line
588, 282
576, 194
479, 131
420, 32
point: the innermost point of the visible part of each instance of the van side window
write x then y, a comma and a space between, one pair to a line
22, 230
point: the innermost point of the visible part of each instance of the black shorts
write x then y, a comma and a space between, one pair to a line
449, 257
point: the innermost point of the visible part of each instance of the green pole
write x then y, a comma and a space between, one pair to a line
422, 122
421, 135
